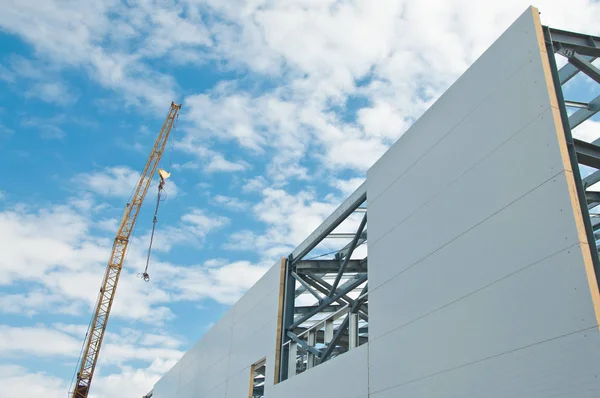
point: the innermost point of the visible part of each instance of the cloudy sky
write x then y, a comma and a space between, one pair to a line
285, 105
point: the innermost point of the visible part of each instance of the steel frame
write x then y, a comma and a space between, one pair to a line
580, 50
337, 321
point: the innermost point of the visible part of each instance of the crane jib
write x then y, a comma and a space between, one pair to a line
87, 361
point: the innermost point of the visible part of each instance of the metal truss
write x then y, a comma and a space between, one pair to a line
325, 297
580, 51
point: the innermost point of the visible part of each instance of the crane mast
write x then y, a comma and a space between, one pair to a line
87, 362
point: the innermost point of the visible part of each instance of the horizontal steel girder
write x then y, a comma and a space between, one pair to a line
587, 154
592, 197
330, 266
584, 114
581, 43
343, 340
308, 309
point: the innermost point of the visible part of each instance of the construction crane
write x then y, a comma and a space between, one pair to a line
95, 335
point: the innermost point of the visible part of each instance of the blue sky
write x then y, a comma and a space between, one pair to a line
285, 106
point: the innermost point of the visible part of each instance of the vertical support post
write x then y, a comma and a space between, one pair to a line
328, 331
292, 353
310, 359
288, 299
352, 331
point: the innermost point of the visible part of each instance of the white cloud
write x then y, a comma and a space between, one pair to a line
160, 339
157, 353
231, 203
64, 272
79, 38
15, 341
108, 224
222, 281
49, 128
16, 381
38, 241
403, 55
382, 120
347, 186
36, 301
213, 161
200, 224
255, 184
52, 92
219, 163
588, 131
5, 130
289, 219
6, 74
117, 181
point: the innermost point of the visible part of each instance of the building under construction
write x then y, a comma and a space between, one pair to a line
481, 278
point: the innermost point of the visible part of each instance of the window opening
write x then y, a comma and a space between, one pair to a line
257, 379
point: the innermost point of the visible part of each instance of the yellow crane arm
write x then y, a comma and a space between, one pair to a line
87, 362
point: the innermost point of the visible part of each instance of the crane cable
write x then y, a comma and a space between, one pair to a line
145, 274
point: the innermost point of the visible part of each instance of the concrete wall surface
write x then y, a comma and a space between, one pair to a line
480, 274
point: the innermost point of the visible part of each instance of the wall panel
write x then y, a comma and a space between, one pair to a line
475, 248
477, 261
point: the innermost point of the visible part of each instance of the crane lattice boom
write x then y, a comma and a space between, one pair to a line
95, 335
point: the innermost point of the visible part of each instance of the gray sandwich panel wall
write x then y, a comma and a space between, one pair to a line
475, 246
480, 277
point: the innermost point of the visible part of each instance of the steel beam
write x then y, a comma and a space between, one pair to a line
330, 266
311, 340
330, 223
342, 253
585, 66
592, 197
568, 71
352, 331
328, 335
341, 235
291, 363
342, 269
306, 286
336, 337
307, 309
320, 334
591, 179
584, 114
287, 318
328, 300
304, 344
581, 43
344, 298
325, 287
577, 104
587, 153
